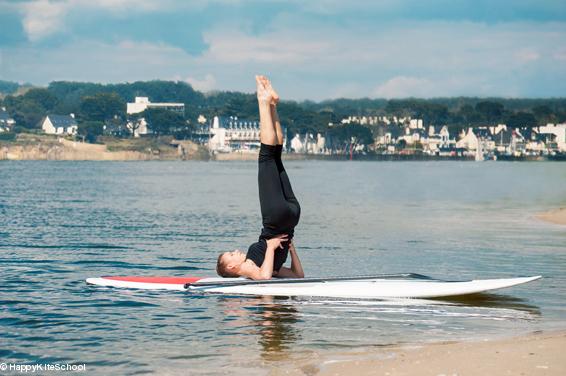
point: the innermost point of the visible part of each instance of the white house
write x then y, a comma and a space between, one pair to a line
416, 123
59, 124
297, 146
232, 134
6, 122
142, 103
468, 141
139, 126
309, 144
437, 140
559, 131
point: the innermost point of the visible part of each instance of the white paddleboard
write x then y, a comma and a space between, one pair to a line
393, 286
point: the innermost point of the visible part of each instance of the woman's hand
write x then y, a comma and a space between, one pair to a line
292, 246
277, 241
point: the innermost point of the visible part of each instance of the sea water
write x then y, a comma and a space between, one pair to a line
61, 222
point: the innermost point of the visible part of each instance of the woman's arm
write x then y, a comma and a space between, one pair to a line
296, 270
296, 266
266, 269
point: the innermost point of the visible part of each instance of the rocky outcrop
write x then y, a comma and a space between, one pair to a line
66, 150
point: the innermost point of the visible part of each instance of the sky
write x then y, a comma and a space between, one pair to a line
310, 49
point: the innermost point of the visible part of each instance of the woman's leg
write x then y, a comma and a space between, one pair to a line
267, 132
283, 177
271, 196
274, 115
279, 208
277, 124
272, 200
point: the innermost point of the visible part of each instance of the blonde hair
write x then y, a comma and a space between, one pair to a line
222, 268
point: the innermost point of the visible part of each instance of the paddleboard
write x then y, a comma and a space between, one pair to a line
361, 287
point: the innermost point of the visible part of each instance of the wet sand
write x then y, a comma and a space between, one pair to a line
533, 354
557, 216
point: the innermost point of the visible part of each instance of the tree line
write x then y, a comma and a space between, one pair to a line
96, 105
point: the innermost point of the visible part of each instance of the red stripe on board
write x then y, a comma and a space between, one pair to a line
164, 280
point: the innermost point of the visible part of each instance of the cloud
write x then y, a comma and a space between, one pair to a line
90, 60
402, 86
42, 18
313, 58
208, 83
233, 46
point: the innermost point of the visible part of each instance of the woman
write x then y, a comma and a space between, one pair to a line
280, 209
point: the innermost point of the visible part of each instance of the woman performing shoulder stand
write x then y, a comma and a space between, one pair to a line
280, 209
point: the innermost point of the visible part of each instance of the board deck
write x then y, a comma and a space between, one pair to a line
407, 285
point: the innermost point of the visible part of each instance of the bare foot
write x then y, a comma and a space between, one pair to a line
268, 86
264, 96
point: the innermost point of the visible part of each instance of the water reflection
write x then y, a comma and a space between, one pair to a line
278, 322
500, 301
272, 319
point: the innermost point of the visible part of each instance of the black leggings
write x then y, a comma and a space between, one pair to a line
280, 210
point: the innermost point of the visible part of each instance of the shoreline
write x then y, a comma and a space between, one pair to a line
32, 147
556, 216
539, 353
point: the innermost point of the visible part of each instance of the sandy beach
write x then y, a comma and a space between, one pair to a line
533, 354
557, 216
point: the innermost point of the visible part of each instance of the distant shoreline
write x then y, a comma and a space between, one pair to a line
556, 216
36, 147
528, 354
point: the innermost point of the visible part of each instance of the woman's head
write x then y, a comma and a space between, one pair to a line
229, 263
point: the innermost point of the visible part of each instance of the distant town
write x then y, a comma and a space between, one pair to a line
223, 127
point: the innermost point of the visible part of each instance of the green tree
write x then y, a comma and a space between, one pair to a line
161, 121
490, 112
42, 97
101, 107
27, 114
350, 133
468, 115
90, 130
30, 108
8, 87
521, 119
544, 115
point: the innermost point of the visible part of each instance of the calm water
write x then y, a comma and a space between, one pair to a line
61, 222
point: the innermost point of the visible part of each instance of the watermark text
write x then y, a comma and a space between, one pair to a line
42, 367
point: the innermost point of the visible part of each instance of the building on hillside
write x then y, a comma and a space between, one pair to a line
413, 135
387, 135
228, 134
376, 120
142, 103
308, 144
534, 142
416, 123
6, 122
139, 126
508, 141
116, 129
557, 133
468, 141
438, 138
59, 124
